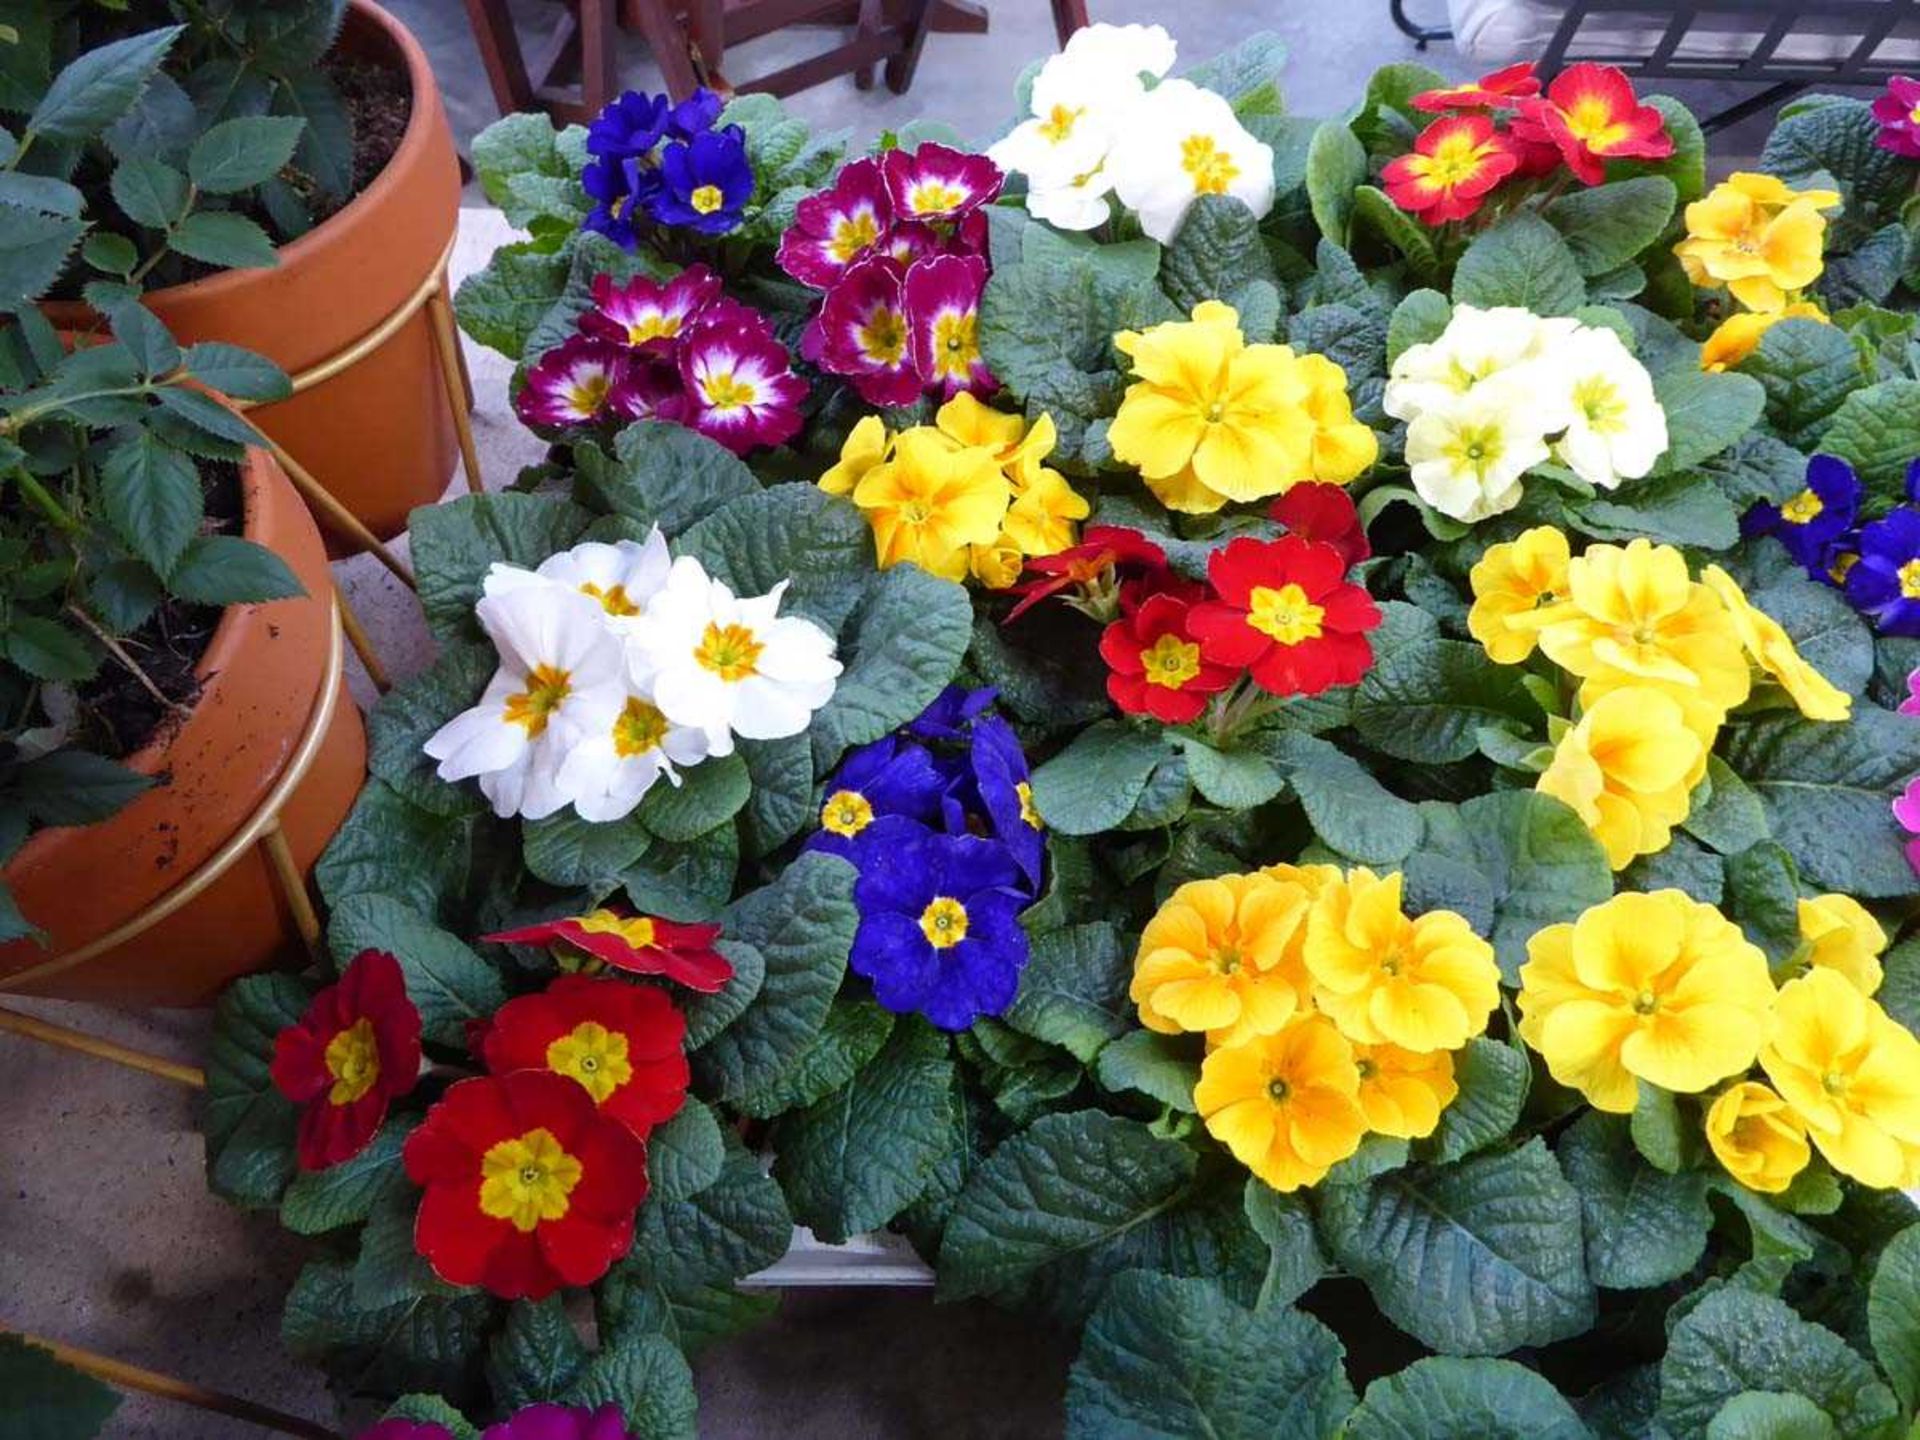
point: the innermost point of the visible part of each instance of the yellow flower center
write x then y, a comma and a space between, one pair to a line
1226, 959
657, 326
586, 395
353, 1059
932, 195
593, 1055
1364, 1067
1591, 119
614, 600
944, 922
636, 930
1834, 1082
640, 728
1842, 565
1455, 160
726, 391
1171, 662
1027, 811
883, 339
1600, 402
1910, 580
731, 652
1391, 962
528, 1179
955, 344
707, 199
1476, 447
1210, 168
1802, 509
917, 511
1278, 1090
1914, 115
547, 690
853, 234
1286, 614
847, 812
1645, 1003
1060, 122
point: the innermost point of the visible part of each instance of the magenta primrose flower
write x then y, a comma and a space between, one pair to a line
536, 1422
646, 314
936, 184
1907, 811
838, 226
739, 387
1898, 112
861, 332
942, 296
581, 381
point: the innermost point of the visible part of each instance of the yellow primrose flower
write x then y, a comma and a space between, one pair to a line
1515, 578
1633, 617
931, 500
865, 447
1757, 1137
1017, 447
1041, 519
1756, 237
1852, 1073
1402, 1093
998, 565
1286, 1104
1655, 987
1223, 955
1624, 770
1738, 336
1838, 933
1425, 984
1773, 651
1203, 399
1314, 879
1343, 448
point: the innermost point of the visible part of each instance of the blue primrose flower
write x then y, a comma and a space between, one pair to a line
1817, 521
940, 928
705, 182
629, 127
952, 713
620, 191
888, 777
1884, 583
695, 114
1000, 777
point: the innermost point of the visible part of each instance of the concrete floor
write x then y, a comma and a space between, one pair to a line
108, 1238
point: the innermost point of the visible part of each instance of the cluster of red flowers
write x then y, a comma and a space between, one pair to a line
1503, 127
532, 1172
1278, 613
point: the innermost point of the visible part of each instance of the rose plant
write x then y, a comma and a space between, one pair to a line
1312, 796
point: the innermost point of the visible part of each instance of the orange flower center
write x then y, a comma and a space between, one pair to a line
1060, 122
527, 1179
640, 728
593, 1055
547, 689
614, 600
353, 1060
729, 651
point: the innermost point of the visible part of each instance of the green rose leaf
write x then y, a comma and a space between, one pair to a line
241, 153
100, 86
1474, 1258
1171, 1357
1521, 261
902, 647
150, 494
224, 238
1443, 1398
1644, 1228
1096, 781
446, 981
249, 1124
1609, 225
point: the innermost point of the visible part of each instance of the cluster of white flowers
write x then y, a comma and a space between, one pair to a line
1504, 390
1098, 127
619, 665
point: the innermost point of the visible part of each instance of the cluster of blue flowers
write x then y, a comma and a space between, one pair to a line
666, 163
1876, 565
939, 821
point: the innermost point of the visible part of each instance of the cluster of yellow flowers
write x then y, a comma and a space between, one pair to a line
1661, 659
1211, 419
1762, 241
1329, 1014
1663, 988
968, 494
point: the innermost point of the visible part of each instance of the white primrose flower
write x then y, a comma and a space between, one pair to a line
622, 576
613, 767
730, 665
1476, 345
561, 676
1179, 143
1616, 429
1129, 51
1467, 458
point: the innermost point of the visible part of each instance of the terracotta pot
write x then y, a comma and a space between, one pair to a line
378, 434
273, 723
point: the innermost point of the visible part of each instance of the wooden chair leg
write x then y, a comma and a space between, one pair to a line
707, 28
901, 67
493, 32
599, 57
871, 18
1069, 16
669, 45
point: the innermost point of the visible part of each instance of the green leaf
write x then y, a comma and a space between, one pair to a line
1077, 1197
851, 1035
855, 1159
1706, 413
1493, 1078
1893, 1314
1609, 225
149, 192
1474, 1258
781, 802
1807, 369
1162, 1067
665, 475
75, 787
685, 1154
1170, 1357
1441, 1398
150, 344
390, 1270
1829, 634
454, 544
1373, 211
229, 570
1877, 431
1349, 810
516, 145
709, 794
1834, 144
798, 533
47, 1400
1424, 702
34, 250
802, 925
1420, 319
1659, 1133
249, 1124
391, 847
403, 718
1643, 1228
537, 1355
47, 650
1217, 249
1095, 782
1336, 167
1687, 166
446, 981
224, 238
1731, 817
207, 415
1768, 1415
648, 1378
1762, 897
1825, 789
1231, 779
1681, 509
241, 153
1521, 261
1285, 1224
902, 647
150, 494
236, 372
687, 882
99, 86
1736, 1340
113, 253
563, 849
500, 305
321, 1200
430, 1343
1073, 992
1247, 75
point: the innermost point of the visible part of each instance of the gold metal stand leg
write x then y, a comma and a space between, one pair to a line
63, 1037
168, 1387
362, 646
333, 513
459, 387
273, 841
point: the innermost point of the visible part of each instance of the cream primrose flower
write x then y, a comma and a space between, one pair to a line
612, 767
561, 677
1179, 143
730, 665
1467, 458
621, 577
1616, 429
1477, 345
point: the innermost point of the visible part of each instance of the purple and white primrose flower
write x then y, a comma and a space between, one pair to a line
649, 315
861, 333
583, 381
942, 295
837, 227
739, 387
938, 185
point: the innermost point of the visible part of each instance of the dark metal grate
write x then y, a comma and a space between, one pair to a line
1860, 28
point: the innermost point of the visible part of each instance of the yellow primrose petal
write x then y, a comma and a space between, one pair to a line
865, 447
996, 566
1841, 934
1040, 521
1157, 430
1739, 335
967, 421
1184, 492
1286, 1105
1249, 456
1188, 356
1773, 650
1223, 955
1757, 1138
1624, 770
1402, 1093
931, 501
1516, 578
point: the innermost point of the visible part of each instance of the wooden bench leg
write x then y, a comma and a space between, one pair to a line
499, 46
1069, 16
900, 68
667, 41
599, 55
